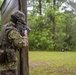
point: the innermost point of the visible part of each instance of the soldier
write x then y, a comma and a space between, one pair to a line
12, 38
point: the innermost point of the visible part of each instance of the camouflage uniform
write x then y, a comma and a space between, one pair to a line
19, 42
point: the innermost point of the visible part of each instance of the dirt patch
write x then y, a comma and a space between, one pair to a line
37, 64
49, 68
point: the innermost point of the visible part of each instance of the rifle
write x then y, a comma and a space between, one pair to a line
22, 26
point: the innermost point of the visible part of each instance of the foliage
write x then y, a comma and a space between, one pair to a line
40, 38
0, 14
41, 35
1, 2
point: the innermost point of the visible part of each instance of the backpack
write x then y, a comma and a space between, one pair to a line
6, 55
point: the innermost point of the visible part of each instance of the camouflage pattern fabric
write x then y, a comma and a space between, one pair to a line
12, 40
17, 39
19, 42
8, 72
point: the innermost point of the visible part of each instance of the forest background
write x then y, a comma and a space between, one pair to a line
53, 24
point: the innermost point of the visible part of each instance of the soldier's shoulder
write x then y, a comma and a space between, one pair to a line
14, 34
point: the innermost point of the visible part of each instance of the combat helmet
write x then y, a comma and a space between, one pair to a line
17, 16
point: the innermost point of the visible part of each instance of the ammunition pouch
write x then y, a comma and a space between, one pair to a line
7, 56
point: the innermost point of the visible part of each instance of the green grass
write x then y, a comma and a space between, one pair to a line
52, 63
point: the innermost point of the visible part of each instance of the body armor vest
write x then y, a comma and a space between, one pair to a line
7, 51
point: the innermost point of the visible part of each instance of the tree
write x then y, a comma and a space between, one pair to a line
40, 7
24, 66
54, 23
53, 29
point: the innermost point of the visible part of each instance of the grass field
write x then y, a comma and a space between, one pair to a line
52, 63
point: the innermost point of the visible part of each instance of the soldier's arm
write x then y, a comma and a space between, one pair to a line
17, 39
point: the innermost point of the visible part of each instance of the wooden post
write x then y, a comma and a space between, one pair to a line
24, 66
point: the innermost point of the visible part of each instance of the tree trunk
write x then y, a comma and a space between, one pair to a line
54, 23
40, 7
23, 8
33, 8
24, 66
